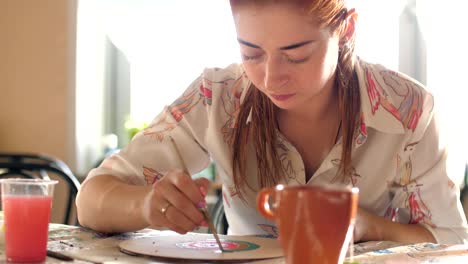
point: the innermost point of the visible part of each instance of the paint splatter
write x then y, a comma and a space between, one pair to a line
210, 244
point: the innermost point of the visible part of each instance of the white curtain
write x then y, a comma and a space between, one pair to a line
444, 26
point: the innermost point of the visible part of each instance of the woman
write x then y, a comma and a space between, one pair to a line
300, 109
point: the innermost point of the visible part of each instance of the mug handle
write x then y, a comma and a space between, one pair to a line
263, 204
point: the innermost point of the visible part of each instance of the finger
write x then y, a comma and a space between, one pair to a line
177, 218
180, 201
188, 186
159, 218
169, 225
203, 185
174, 227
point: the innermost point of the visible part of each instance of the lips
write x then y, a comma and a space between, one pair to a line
282, 97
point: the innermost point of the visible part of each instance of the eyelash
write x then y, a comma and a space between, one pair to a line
249, 58
297, 61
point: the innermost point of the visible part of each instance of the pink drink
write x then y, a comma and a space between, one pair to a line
26, 226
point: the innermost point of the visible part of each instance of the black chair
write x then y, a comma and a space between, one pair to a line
464, 191
219, 216
40, 166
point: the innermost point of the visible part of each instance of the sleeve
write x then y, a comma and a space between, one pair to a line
150, 154
429, 196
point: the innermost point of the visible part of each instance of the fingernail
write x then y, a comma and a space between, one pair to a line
203, 191
201, 204
204, 223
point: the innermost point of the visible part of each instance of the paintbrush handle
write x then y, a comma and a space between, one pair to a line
212, 227
58, 255
61, 256
179, 156
203, 210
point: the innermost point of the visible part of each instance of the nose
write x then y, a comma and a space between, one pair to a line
275, 75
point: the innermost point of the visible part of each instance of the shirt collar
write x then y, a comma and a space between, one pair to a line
378, 109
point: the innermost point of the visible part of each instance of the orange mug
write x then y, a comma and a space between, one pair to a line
315, 222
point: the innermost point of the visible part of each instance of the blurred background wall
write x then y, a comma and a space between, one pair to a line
37, 79
37, 40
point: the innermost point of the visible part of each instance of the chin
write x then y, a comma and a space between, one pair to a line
284, 105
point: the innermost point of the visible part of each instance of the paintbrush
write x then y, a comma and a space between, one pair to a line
204, 211
61, 256
212, 227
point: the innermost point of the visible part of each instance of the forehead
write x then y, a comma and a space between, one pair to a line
275, 22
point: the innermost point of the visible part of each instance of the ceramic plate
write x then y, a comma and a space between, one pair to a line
204, 247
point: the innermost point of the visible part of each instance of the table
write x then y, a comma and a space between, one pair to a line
96, 247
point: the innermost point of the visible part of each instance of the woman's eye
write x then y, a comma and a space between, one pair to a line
247, 58
297, 61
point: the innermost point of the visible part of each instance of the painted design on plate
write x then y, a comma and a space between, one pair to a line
210, 244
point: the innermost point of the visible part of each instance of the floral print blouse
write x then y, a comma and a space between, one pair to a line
399, 164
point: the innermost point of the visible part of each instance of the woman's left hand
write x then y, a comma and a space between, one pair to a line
361, 227
365, 229
370, 227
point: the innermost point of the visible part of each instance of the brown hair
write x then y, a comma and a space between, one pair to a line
331, 14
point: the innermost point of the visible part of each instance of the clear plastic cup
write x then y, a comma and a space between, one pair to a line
26, 205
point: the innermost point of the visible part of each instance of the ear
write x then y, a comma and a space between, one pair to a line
350, 27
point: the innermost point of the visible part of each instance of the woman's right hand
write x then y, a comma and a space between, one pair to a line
174, 201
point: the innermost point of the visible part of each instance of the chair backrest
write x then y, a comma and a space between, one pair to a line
44, 167
464, 192
465, 178
219, 216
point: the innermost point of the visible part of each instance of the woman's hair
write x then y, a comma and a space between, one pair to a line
261, 128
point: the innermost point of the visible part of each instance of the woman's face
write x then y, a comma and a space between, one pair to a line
285, 53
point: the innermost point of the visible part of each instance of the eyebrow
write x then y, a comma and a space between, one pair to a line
289, 47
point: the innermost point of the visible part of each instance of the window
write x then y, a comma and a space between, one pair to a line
168, 43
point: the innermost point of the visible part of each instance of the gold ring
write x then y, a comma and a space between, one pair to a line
165, 207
